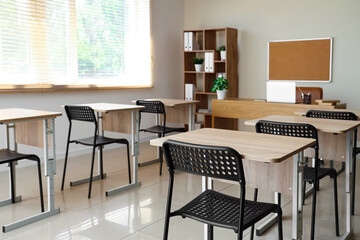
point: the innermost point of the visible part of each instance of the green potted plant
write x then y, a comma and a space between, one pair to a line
222, 53
198, 63
221, 86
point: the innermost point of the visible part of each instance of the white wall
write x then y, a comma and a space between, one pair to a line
167, 25
261, 20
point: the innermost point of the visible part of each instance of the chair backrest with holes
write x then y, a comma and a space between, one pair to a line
210, 161
288, 129
332, 115
80, 113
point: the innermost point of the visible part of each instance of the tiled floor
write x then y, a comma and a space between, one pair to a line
139, 213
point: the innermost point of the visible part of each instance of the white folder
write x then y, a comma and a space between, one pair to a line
186, 41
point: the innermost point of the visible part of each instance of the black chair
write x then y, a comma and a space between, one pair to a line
86, 114
158, 108
9, 157
311, 174
341, 116
211, 207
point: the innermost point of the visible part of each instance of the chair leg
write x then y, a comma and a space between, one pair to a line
161, 159
40, 186
128, 158
313, 212
353, 186
210, 232
65, 164
336, 207
168, 207
280, 229
12, 182
101, 163
91, 171
253, 226
304, 191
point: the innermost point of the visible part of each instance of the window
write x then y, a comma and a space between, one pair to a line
75, 42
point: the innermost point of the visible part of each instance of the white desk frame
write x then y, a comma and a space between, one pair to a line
104, 108
297, 185
348, 172
49, 169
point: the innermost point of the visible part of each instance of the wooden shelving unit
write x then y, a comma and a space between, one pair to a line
209, 40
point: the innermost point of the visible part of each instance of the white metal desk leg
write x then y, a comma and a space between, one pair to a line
50, 163
134, 152
49, 173
348, 171
135, 141
206, 183
191, 117
297, 213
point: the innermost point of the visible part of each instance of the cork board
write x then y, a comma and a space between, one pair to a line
300, 60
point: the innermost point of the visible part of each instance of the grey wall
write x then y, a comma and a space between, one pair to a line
261, 20
167, 25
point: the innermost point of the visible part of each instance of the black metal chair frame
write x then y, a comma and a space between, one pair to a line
158, 108
311, 174
211, 207
86, 114
10, 157
343, 115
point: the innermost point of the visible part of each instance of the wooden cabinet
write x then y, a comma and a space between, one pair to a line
203, 42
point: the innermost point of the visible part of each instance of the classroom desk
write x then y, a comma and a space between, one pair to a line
178, 110
251, 109
118, 118
329, 131
35, 128
258, 150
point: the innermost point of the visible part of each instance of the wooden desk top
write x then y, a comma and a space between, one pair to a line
12, 115
303, 111
109, 107
251, 146
171, 102
322, 125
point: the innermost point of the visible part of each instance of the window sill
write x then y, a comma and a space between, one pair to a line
43, 88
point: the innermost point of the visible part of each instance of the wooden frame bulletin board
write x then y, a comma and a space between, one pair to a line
305, 60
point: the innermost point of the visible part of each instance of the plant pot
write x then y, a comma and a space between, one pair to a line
223, 55
221, 94
198, 67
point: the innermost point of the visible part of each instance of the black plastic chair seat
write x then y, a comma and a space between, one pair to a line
100, 141
223, 211
7, 156
160, 129
309, 173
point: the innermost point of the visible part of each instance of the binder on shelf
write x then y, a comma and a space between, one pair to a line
186, 41
191, 41
206, 62
209, 62
189, 91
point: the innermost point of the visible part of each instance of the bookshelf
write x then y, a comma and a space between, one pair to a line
208, 41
